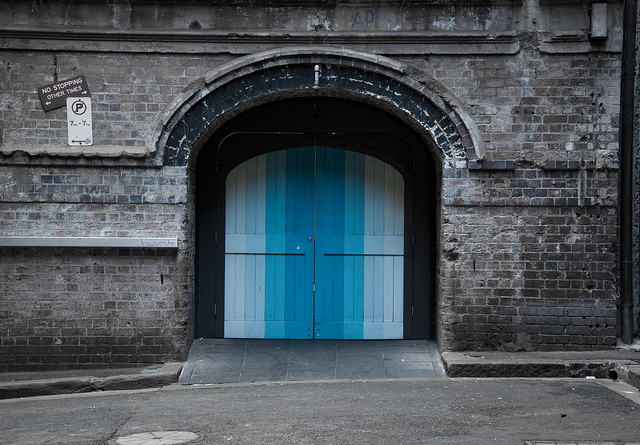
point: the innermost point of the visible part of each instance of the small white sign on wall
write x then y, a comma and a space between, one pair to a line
79, 121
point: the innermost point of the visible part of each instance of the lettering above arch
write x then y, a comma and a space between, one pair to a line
317, 71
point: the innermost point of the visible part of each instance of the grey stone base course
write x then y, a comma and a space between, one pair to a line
166, 375
629, 373
461, 364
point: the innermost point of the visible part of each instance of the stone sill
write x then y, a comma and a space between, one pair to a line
88, 241
102, 151
243, 41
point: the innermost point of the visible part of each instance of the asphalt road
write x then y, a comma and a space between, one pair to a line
426, 411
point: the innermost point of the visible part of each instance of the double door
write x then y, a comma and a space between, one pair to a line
314, 246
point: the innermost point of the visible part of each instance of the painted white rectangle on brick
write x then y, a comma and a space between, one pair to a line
87, 241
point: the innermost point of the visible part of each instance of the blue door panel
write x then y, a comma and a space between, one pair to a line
268, 260
359, 247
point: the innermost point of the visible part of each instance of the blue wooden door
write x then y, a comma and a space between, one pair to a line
314, 246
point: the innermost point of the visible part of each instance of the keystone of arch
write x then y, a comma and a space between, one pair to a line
442, 114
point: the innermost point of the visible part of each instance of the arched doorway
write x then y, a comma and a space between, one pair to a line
238, 289
204, 132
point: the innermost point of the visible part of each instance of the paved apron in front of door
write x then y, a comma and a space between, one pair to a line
240, 360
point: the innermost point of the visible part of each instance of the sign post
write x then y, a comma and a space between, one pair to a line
79, 122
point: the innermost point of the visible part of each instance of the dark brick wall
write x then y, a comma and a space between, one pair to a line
93, 307
529, 235
128, 93
551, 106
95, 185
532, 278
83, 308
636, 181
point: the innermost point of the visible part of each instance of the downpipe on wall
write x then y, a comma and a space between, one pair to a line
626, 173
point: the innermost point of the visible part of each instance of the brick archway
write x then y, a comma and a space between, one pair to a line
318, 71
435, 116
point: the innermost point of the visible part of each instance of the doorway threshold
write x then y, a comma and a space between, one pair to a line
214, 361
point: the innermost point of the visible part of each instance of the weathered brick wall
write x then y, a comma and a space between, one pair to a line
69, 308
81, 308
128, 91
636, 178
530, 278
537, 106
528, 237
84, 307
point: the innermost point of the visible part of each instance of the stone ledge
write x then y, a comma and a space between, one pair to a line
88, 241
106, 151
629, 373
241, 41
602, 364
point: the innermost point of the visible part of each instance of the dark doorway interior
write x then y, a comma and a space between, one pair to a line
327, 122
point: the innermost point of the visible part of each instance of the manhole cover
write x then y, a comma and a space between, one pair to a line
157, 438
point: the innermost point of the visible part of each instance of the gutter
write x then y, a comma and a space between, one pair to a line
626, 172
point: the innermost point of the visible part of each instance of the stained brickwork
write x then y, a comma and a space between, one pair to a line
527, 231
557, 105
533, 278
128, 93
90, 308
296, 74
636, 179
109, 185
70, 308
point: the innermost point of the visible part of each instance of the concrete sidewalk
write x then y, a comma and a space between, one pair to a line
620, 363
29, 384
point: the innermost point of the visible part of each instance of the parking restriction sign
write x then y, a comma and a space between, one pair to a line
79, 124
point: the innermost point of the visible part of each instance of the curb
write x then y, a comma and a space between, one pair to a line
630, 374
459, 364
456, 365
166, 375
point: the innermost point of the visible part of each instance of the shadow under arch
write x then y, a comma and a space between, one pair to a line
318, 121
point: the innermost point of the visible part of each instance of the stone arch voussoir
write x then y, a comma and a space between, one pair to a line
423, 102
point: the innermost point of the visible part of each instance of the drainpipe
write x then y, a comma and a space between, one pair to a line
626, 172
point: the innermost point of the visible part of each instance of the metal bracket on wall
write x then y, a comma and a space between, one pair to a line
87, 241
